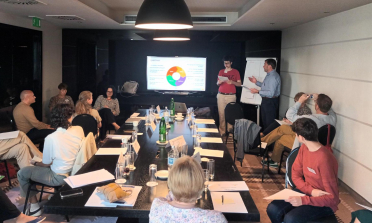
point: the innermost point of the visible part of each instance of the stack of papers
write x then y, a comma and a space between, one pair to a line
111, 151
204, 121
9, 135
232, 202
284, 194
281, 122
209, 152
211, 139
208, 130
99, 200
131, 120
89, 178
227, 186
118, 136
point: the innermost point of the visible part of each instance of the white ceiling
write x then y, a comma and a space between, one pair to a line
243, 14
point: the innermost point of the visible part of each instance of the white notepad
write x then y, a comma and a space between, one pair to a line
111, 151
208, 130
118, 136
209, 152
89, 178
211, 139
227, 186
284, 194
233, 202
99, 200
204, 121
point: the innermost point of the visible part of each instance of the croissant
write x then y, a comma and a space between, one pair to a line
113, 192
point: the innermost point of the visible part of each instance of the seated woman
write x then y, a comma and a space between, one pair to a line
186, 184
60, 151
108, 108
304, 110
84, 106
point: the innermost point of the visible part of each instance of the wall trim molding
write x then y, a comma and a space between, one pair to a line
317, 75
335, 42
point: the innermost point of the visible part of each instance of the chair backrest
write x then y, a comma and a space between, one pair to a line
87, 122
323, 133
233, 111
290, 160
12, 121
180, 107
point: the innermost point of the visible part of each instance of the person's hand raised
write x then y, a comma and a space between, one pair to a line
252, 79
303, 98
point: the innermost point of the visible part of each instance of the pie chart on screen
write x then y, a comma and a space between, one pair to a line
176, 76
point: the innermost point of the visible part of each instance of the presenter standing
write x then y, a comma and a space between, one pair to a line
228, 79
270, 91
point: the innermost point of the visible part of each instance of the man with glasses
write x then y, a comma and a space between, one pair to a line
228, 79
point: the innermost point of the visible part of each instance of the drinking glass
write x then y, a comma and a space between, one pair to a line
134, 136
197, 140
211, 165
119, 172
148, 120
126, 166
194, 130
131, 160
206, 178
152, 171
184, 149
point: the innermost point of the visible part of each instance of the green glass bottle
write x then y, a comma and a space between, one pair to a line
162, 131
172, 108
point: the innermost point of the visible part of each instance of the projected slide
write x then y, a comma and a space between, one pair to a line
176, 73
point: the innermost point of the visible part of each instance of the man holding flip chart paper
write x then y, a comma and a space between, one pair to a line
270, 92
228, 80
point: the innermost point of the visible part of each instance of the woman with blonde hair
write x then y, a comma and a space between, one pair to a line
84, 106
186, 184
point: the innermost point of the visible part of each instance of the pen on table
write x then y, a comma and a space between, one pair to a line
222, 199
233, 168
132, 186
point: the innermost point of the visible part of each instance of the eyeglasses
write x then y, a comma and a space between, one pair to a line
109, 91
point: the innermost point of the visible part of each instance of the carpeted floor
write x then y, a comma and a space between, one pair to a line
274, 182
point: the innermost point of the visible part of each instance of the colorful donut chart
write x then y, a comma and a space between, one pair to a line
174, 82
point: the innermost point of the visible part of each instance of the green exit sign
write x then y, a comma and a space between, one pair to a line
36, 22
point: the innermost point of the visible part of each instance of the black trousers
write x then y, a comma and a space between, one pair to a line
269, 108
8, 209
38, 136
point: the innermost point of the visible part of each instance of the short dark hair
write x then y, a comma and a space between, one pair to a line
306, 128
113, 92
298, 95
60, 114
62, 86
324, 103
228, 58
271, 62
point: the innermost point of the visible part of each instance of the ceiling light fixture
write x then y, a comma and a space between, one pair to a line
164, 14
172, 35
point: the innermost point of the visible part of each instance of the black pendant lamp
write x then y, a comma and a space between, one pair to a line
164, 14
172, 35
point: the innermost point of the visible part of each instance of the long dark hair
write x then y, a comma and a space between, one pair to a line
113, 92
60, 115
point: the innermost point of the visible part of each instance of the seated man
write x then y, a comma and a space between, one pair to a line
20, 148
283, 136
314, 173
61, 97
24, 117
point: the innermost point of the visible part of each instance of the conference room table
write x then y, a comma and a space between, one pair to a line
151, 153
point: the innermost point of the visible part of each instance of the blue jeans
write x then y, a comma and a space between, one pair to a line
281, 211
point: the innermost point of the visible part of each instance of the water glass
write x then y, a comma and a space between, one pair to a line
184, 149
119, 171
194, 130
148, 122
134, 136
210, 166
197, 140
206, 178
131, 160
126, 165
152, 171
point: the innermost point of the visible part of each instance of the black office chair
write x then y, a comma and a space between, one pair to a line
322, 138
11, 121
7, 172
232, 111
288, 180
87, 122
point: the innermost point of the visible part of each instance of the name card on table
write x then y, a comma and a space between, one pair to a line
136, 146
153, 126
178, 141
158, 109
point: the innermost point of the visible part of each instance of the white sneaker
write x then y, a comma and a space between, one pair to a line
35, 213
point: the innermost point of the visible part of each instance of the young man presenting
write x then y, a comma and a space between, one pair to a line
314, 173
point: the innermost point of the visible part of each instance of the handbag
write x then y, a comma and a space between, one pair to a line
130, 87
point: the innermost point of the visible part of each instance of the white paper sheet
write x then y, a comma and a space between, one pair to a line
208, 130
9, 135
99, 200
134, 115
209, 152
178, 141
118, 136
89, 178
211, 139
222, 78
284, 194
227, 186
158, 109
368, 208
136, 146
281, 122
204, 121
234, 202
131, 120
111, 151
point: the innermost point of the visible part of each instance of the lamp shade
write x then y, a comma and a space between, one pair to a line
172, 35
164, 14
